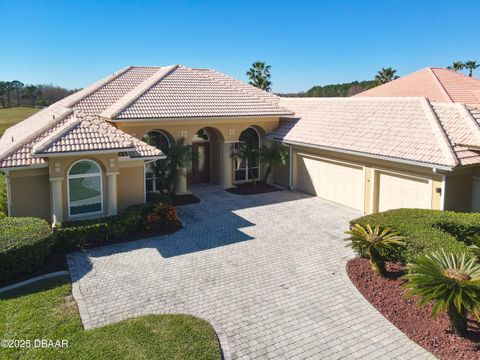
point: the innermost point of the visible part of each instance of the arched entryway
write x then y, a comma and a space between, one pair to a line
246, 169
155, 170
205, 157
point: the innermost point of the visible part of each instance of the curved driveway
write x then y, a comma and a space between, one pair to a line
267, 271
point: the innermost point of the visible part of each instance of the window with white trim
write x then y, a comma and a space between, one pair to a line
85, 188
153, 178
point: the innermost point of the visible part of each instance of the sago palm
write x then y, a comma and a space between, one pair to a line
375, 242
451, 282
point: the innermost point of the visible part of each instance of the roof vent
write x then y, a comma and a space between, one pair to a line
13, 139
53, 117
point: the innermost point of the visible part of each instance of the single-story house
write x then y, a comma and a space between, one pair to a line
90, 154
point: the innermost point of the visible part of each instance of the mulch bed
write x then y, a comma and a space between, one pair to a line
433, 334
251, 189
186, 199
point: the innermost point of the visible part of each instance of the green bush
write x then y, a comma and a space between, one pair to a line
425, 231
155, 198
25, 243
3, 196
96, 232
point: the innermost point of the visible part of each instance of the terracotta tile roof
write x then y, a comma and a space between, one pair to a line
174, 91
412, 129
436, 84
186, 92
78, 133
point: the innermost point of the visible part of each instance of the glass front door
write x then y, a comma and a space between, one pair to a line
200, 171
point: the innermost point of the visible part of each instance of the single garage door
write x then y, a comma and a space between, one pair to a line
339, 182
398, 191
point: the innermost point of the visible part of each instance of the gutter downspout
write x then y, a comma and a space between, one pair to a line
290, 167
9, 204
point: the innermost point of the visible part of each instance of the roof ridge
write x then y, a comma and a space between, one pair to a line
61, 131
130, 97
439, 83
439, 132
78, 96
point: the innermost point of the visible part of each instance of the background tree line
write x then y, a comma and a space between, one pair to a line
15, 93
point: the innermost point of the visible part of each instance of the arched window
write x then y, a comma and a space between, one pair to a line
158, 139
247, 169
85, 188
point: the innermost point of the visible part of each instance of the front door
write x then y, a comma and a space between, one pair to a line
200, 163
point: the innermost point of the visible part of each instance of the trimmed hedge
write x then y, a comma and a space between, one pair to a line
96, 232
3, 196
25, 243
426, 230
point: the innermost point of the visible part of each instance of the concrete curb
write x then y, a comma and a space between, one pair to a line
33, 280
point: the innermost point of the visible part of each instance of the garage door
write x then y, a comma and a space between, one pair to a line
334, 181
397, 191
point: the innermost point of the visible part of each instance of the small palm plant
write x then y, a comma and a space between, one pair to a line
246, 152
451, 282
375, 242
272, 155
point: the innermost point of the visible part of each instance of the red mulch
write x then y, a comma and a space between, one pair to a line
433, 334
251, 189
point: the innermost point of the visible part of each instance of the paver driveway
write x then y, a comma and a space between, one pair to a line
268, 272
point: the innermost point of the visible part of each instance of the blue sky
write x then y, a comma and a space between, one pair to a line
73, 43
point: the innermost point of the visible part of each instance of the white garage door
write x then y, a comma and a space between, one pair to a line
397, 191
334, 181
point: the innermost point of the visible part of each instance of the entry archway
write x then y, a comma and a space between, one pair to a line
155, 170
205, 156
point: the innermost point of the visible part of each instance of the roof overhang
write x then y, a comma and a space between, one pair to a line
368, 155
197, 118
83, 152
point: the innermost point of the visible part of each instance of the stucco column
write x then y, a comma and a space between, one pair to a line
226, 165
57, 201
112, 194
181, 184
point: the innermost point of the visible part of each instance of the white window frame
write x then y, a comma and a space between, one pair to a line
77, 176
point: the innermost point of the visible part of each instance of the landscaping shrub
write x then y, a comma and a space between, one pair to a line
24, 245
425, 231
153, 216
154, 198
3, 196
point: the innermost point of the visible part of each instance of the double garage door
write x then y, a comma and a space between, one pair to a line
345, 184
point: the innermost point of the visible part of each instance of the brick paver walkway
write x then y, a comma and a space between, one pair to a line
267, 271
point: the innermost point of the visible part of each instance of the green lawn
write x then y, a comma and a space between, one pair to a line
11, 116
46, 310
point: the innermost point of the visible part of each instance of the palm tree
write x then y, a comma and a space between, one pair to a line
471, 65
179, 156
246, 152
272, 155
259, 75
456, 66
385, 75
3, 89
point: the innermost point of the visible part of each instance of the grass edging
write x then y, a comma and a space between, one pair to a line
33, 280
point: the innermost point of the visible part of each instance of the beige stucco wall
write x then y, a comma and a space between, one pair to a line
130, 184
229, 128
59, 167
30, 193
458, 191
372, 167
